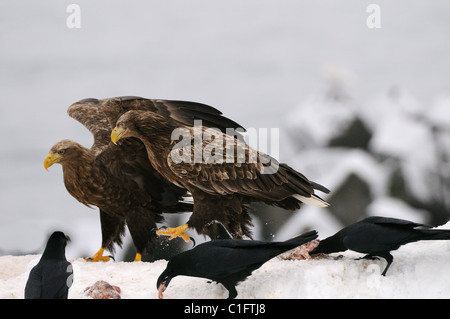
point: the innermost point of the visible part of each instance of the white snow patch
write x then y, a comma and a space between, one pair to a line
419, 270
396, 208
321, 117
439, 112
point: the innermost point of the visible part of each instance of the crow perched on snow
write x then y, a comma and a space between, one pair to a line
377, 236
52, 277
227, 261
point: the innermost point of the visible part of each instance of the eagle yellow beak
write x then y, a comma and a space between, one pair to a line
50, 160
117, 134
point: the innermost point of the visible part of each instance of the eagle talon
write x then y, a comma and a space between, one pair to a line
98, 256
97, 259
174, 232
193, 241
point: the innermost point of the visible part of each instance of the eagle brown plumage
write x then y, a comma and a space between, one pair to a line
119, 180
221, 190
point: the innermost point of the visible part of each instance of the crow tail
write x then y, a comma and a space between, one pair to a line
303, 238
435, 234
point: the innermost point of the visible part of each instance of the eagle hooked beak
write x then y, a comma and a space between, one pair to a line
50, 160
117, 134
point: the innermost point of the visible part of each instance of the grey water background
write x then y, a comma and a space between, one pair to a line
255, 60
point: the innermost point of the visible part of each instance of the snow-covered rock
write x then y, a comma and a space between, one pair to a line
439, 112
322, 117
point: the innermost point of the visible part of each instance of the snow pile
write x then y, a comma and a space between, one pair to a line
389, 152
321, 117
419, 270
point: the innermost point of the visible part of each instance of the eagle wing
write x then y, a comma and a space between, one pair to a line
88, 113
239, 169
267, 180
129, 162
180, 112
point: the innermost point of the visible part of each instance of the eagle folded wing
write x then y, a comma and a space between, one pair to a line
182, 113
237, 168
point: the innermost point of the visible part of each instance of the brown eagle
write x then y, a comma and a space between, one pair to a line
118, 179
222, 173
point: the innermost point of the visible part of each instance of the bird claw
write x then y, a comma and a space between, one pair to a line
174, 232
193, 241
98, 256
101, 258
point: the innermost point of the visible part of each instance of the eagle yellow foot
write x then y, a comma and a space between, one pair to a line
138, 257
98, 256
174, 232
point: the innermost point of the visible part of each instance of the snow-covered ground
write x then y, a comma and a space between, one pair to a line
419, 270
258, 71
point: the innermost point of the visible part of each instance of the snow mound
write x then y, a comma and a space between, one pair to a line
419, 270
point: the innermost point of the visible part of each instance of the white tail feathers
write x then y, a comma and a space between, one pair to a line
313, 200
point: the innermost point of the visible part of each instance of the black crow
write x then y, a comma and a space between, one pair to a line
227, 261
52, 277
377, 236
